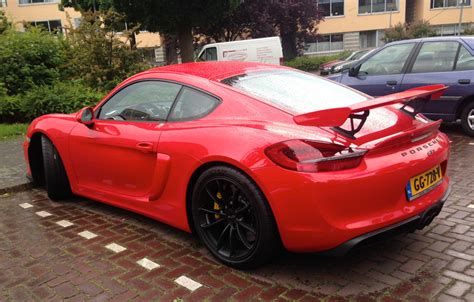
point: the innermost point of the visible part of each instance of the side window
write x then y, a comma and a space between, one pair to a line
211, 54
142, 101
193, 104
465, 60
436, 57
389, 60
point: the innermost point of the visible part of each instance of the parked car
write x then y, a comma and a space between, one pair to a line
343, 66
263, 50
402, 65
249, 156
327, 68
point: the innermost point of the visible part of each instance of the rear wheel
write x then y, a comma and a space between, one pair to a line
467, 119
57, 183
232, 218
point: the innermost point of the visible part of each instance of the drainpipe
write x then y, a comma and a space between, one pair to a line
461, 3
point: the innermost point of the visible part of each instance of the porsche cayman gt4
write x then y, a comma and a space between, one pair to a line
251, 157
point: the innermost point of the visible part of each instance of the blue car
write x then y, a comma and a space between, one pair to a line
402, 65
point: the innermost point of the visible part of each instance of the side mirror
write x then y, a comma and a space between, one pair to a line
353, 71
86, 116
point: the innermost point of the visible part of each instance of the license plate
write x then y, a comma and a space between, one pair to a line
424, 183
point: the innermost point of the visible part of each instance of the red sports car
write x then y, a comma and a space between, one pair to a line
251, 156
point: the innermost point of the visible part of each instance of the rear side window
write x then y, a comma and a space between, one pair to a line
192, 104
296, 91
465, 60
436, 57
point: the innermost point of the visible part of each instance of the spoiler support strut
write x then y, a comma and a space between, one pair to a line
415, 98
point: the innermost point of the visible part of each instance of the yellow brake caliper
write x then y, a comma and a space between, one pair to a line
216, 205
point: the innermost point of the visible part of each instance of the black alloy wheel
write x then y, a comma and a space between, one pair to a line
232, 218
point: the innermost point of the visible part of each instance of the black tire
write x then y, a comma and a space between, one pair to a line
468, 126
245, 219
56, 180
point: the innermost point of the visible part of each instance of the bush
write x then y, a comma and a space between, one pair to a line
30, 58
60, 97
56, 98
308, 63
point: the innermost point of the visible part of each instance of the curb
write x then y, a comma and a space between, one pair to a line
17, 188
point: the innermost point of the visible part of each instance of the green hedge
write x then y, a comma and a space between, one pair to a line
312, 63
57, 98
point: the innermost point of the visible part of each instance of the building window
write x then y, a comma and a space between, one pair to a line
449, 3
371, 39
37, 1
326, 43
3, 3
331, 8
53, 26
378, 6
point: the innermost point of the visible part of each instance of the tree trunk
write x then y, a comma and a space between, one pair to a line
185, 37
133, 41
170, 51
288, 43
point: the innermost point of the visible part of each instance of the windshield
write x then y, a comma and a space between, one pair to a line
359, 55
296, 91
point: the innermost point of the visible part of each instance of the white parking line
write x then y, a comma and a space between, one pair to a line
471, 206
25, 205
114, 247
472, 144
148, 264
188, 283
64, 223
43, 214
87, 235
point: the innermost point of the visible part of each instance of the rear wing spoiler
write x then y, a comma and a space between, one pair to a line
336, 117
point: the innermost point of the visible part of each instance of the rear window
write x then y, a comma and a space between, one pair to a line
296, 91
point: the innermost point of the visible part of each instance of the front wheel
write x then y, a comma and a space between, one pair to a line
57, 183
233, 219
467, 119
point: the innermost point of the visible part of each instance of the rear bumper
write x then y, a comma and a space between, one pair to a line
417, 222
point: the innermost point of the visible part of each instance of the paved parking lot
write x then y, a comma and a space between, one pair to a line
83, 250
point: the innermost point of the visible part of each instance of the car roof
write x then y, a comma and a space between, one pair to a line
213, 70
467, 39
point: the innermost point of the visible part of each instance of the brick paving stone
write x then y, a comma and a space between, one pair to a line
432, 264
459, 289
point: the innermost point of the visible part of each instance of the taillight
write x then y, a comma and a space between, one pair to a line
313, 156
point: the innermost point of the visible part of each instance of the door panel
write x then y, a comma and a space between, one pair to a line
109, 157
441, 63
118, 153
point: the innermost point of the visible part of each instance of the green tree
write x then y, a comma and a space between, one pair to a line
177, 17
417, 29
396, 33
88, 5
421, 29
4, 23
100, 56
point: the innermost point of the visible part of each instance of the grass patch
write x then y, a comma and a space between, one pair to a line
12, 130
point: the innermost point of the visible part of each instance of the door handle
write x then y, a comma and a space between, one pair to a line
392, 83
144, 147
464, 81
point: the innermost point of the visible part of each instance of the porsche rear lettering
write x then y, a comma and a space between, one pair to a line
421, 148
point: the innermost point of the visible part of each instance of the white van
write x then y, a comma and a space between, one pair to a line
264, 50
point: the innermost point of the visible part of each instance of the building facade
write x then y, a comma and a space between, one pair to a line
47, 13
360, 24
